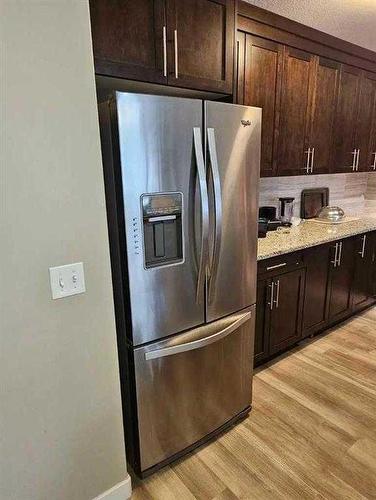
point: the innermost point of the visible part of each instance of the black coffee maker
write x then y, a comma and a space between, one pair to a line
268, 220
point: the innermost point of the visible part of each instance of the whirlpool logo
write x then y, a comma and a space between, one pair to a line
246, 123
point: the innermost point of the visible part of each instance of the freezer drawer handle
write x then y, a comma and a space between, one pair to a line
197, 344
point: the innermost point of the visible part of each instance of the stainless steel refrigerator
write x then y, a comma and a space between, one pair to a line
181, 178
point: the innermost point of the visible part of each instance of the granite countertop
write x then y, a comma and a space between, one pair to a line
309, 234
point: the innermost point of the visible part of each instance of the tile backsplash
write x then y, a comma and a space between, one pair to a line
370, 196
355, 193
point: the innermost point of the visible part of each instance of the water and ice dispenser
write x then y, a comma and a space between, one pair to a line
162, 228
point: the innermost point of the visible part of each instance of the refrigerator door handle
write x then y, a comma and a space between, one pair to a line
213, 161
197, 344
204, 211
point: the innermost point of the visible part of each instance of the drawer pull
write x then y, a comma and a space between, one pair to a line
277, 266
197, 344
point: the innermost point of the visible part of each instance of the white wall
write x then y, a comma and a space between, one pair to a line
351, 20
60, 412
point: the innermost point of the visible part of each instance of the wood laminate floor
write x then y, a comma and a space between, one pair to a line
311, 433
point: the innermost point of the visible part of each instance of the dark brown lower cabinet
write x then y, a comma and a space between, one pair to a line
341, 279
262, 320
372, 273
317, 262
286, 314
362, 285
303, 293
279, 312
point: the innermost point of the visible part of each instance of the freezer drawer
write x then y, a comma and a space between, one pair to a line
191, 384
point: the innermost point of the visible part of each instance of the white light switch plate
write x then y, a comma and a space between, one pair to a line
67, 280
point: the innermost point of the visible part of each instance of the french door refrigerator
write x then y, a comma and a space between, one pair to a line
181, 179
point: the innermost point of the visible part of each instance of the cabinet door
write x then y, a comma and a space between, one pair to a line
317, 261
366, 130
372, 145
128, 39
296, 100
201, 44
341, 279
372, 275
262, 319
262, 86
361, 293
346, 116
286, 315
323, 113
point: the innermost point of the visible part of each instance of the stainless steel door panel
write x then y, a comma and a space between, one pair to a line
191, 384
156, 136
233, 137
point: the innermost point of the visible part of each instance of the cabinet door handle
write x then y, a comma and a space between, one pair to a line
373, 166
363, 251
334, 262
312, 158
277, 295
176, 53
340, 254
354, 155
164, 51
277, 266
357, 160
308, 163
271, 303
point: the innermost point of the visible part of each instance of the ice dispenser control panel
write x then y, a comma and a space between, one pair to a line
162, 228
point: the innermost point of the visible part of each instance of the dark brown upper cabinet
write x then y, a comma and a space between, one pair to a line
259, 84
319, 108
200, 35
346, 146
296, 103
320, 141
129, 39
366, 129
184, 43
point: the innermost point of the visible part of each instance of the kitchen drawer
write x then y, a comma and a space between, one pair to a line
279, 264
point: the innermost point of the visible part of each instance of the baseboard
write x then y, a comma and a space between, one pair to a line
121, 491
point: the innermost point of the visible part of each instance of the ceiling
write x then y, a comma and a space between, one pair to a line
351, 20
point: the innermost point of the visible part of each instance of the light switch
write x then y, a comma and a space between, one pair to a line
67, 280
